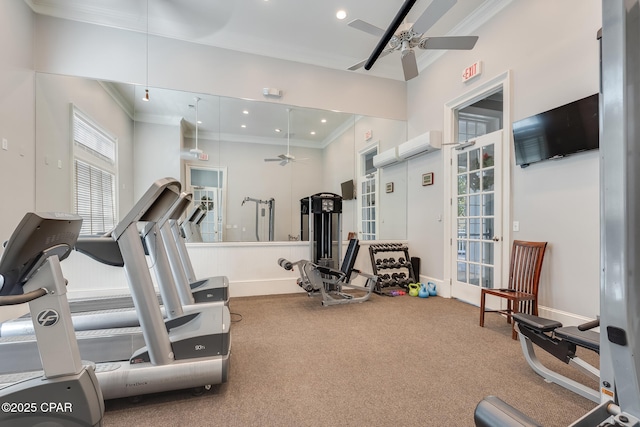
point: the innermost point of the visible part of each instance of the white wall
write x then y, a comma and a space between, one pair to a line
552, 50
17, 122
54, 96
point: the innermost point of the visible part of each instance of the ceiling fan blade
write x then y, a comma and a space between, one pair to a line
361, 63
284, 162
397, 20
409, 64
432, 14
452, 42
358, 65
361, 25
272, 160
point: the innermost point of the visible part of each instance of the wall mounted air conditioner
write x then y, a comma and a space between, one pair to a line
386, 158
425, 143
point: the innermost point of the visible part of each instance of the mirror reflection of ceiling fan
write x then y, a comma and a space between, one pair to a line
404, 38
285, 159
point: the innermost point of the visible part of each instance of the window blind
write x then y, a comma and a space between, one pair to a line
93, 139
94, 198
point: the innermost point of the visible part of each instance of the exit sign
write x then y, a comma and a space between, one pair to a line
472, 71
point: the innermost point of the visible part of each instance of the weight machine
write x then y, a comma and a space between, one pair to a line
320, 219
321, 225
271, 205
619, 384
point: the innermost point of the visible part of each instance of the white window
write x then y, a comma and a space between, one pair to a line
94, 175
368, 193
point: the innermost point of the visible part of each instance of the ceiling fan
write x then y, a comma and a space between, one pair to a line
409, 36
288, 157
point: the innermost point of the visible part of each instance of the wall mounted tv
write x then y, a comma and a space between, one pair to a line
348, 190
556, 133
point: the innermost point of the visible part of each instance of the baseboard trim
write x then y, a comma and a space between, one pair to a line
566, 318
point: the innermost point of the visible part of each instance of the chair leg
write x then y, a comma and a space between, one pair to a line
482, 295
516, 308
509, 310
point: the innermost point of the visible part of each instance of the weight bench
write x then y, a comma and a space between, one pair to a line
329, 282
561, 342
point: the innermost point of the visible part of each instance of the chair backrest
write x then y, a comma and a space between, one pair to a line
524, 272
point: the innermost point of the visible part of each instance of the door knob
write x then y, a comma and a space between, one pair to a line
496, 239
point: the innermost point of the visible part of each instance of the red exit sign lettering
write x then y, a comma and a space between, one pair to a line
472, 71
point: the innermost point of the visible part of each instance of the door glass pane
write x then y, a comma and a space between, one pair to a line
462, 249
462, 272
462, 228
487, 253
474, 205
487, 229
474, 251
487, 180
474, 182
487, 204
487, 156
462, 206
474, 159
462, 184
462, 162
474, 274
474, 228
487, 276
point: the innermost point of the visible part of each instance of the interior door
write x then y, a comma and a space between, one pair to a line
477, 223
208, 188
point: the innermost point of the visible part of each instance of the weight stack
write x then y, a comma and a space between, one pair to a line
415, 263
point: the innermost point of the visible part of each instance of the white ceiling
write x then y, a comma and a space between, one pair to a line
297, 30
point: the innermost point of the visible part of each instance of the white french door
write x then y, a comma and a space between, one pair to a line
476, 242
208, 187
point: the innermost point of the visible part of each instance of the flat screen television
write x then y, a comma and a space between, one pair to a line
556, 133
348, 190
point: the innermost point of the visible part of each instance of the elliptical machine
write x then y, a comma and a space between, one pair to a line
67, 392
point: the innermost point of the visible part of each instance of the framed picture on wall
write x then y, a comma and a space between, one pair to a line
427, 179
389, 187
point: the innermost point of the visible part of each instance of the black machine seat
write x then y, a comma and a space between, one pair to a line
538, 323
586, 339
347, 263
572, 334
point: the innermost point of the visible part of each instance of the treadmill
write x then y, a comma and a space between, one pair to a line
190, 289
190, 227
174, 269
190, 350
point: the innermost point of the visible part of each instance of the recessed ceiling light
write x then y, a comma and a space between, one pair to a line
243, 126
199, 122
313, 132
245, 112
278, 130
341, 14
324, 120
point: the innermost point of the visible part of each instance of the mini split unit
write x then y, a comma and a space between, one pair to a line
414, 147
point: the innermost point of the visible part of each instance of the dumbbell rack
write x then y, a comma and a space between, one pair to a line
392, 264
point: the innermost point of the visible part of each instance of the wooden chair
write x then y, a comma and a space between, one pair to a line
524, 277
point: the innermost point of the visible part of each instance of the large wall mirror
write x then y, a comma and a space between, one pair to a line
247, 162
